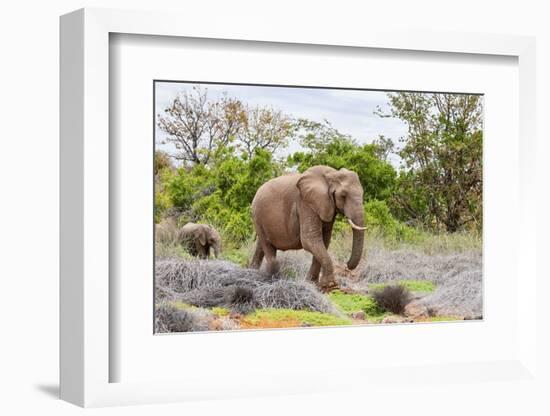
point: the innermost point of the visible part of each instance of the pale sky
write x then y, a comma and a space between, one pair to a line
350, 112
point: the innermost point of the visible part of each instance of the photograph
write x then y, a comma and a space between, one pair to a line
280, 206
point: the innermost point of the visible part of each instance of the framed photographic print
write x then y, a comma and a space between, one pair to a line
290, 211
321, 206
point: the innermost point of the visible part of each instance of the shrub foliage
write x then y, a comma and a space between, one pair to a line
225, 150
392, 298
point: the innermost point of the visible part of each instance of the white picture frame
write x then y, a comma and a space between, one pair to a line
85, 220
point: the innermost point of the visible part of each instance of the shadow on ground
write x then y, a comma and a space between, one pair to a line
51, 390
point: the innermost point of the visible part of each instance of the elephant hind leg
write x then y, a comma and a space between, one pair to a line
258, 256
270, 252
191, 249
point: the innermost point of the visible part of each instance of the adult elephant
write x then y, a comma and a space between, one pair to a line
199, 238
298, 211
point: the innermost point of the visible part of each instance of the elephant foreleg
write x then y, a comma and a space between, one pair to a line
202, 252
320, 253
315, 236
327, 233
315, 269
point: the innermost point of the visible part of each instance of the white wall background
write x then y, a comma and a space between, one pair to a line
29, 100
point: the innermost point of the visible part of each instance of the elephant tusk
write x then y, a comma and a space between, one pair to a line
356, 227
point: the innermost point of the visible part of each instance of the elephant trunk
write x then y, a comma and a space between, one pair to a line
217, 250
357, 221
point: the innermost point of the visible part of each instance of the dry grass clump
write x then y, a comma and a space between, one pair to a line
239, 299
184, 275
383, 265
461, 295
450, 243
291, 294
242, 300
163, 293
166, 232
294, 263
458, 277
224, 323
169, 318
392, 298
179, 317
452, 263
219, 283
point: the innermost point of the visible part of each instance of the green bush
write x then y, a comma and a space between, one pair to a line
376, 175
219, 194
379, 220
162, 204
184, 187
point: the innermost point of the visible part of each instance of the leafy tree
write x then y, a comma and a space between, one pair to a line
202, 129
316, 136
197, 127
384, 147
264, 128
185, 186
257, 171
326, 146
441, 182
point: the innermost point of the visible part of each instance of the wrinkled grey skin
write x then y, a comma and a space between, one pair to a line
199, 238
297, 211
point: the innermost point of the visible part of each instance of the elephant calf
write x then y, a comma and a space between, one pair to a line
298, 211
199, 238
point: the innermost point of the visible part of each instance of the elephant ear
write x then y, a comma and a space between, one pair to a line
314, 191
200, 233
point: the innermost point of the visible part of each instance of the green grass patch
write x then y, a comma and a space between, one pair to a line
219, 311
170, 250
355, 302
239, 256
446, 243
412, 285
181, 305
441, 318
285, 318
288, 272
